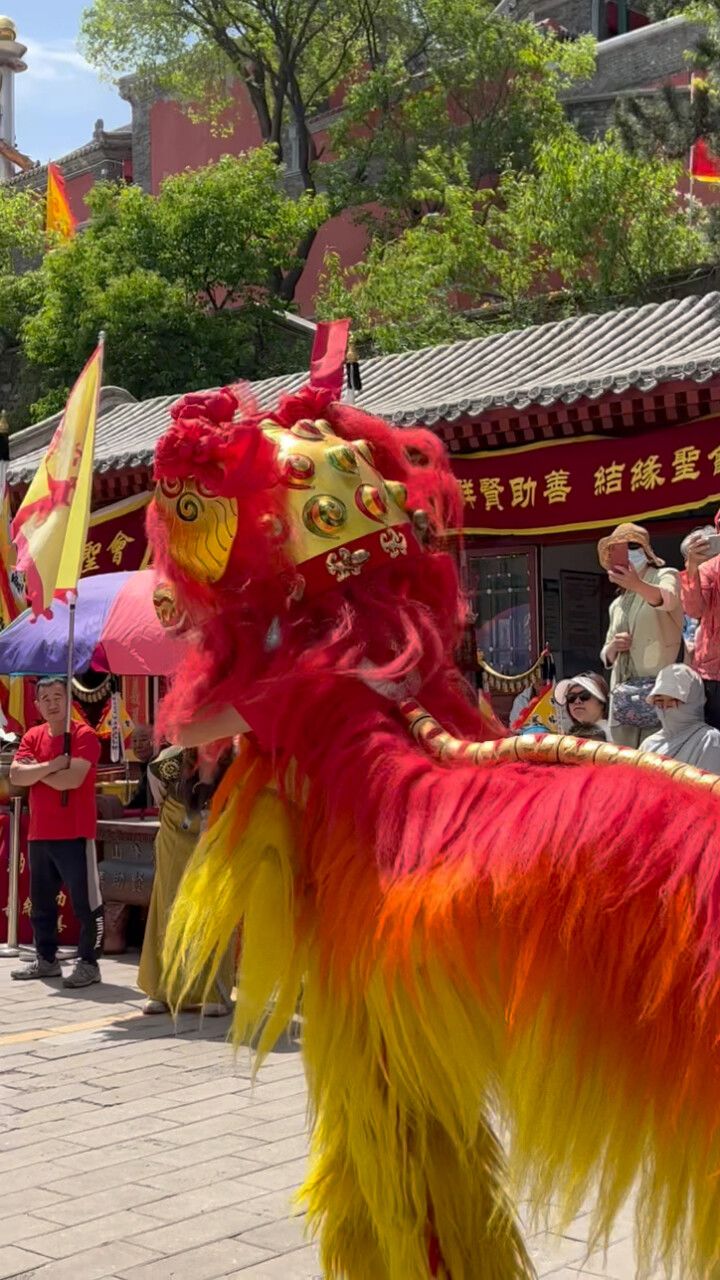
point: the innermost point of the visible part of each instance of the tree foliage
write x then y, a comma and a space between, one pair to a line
409, 76
669, 123
291, 55
588, 226
185, 284
484, 84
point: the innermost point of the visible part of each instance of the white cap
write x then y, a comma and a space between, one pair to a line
585, 682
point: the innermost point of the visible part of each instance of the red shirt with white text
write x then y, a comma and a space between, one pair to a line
49, 818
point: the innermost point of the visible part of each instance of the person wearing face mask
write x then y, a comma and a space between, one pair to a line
645, 629
584, 699
678, 697
700, 594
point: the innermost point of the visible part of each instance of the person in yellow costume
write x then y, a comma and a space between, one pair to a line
182, 796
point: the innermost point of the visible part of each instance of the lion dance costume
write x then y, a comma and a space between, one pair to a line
479, 929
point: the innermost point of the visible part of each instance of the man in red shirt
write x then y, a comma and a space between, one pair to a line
61, 836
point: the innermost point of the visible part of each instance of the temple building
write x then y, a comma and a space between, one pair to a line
556, 433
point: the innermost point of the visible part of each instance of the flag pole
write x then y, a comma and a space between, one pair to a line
72, 602
67, 744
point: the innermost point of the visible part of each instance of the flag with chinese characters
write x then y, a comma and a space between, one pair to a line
51, 526
59, 217
125, 726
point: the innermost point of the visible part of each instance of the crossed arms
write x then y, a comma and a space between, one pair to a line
62, 773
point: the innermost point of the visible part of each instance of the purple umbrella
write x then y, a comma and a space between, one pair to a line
116, 629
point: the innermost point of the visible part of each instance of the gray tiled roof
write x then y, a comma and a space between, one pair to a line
586, 356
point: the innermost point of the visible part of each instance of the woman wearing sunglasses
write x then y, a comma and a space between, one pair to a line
584, 699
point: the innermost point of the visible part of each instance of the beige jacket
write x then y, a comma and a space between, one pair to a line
656, 631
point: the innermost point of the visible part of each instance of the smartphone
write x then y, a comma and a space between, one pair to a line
714, 544
619, 558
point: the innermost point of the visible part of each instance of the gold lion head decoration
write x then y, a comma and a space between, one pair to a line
330, 513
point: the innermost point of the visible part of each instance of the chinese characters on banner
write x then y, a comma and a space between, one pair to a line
591, 481
116, 537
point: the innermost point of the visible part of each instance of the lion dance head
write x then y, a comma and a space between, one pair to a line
305, 542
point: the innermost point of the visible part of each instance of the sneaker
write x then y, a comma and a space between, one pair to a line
154, 1006
83, 975
37, 969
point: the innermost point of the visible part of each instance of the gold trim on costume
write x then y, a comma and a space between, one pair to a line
549, 748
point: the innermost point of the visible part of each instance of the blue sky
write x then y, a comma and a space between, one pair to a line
59, 98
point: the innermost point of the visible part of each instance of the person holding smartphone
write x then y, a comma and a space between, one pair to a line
645, 627
700, 594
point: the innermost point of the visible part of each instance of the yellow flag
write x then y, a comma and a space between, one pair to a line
50, 528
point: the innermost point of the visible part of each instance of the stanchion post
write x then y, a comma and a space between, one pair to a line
10, 948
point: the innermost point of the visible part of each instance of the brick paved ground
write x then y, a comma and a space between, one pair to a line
133, 1152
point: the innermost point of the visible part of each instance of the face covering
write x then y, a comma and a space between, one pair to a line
637, 559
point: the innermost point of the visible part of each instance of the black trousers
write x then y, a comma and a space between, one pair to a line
73, 863
712, 702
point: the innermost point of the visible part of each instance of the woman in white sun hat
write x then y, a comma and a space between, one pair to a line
584, 699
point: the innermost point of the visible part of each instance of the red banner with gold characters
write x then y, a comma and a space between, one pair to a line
591, 481
116, 538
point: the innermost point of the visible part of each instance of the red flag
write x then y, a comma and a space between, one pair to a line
704, 164
328, 355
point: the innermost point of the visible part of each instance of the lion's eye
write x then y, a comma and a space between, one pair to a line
189, 506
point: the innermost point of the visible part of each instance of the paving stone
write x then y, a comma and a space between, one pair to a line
111, 1175
105, 1136
18, 1262
102, 1263
278, 1152
280, 1235
218, 1087
27, 1201
25, 1156
294, 1105
134, 1149
19, 1228
83, 1208
273, 1131
299, 1264
66, 1241
175, 1181
277, 1177
218, 1195
221, 1258
218, 1224
230, 1144
207, 1110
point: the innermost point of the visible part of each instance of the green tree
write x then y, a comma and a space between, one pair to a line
291, 55
668, 123
409, 76
184, 284
484, 85
589, 226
